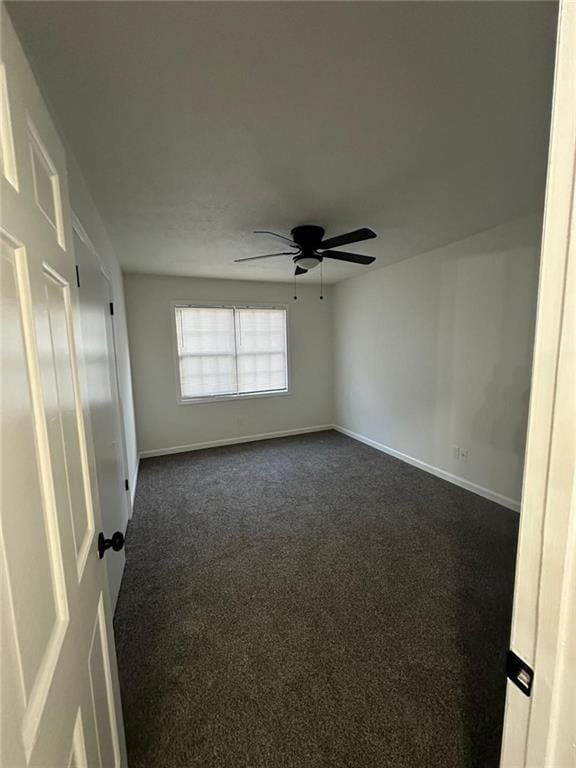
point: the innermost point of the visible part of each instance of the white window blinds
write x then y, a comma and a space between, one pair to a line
231, 351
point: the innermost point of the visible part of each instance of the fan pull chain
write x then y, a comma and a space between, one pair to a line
295, 297
321, 281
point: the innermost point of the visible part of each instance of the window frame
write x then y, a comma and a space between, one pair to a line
188, 303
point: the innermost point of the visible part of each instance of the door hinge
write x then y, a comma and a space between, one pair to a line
126, 484
519, 672
111, 307
77, 276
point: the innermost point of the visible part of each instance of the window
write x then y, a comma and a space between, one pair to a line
231, 351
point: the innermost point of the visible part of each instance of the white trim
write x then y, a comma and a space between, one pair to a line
243, 396
83, 235
37, 147
133, 481
505, 501
111, 318
9, 168
234, 441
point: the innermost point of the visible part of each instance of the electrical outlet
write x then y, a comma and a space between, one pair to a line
460, 454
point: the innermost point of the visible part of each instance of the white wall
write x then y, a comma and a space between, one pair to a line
163, 424
88, 215
435, 351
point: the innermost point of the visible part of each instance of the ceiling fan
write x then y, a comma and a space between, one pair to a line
310, 249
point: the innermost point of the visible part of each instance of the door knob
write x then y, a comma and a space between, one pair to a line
116, 542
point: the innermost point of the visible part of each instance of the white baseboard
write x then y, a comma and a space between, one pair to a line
233, 441
133, 483
505, 501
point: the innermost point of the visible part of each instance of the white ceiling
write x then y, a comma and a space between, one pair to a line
196, 123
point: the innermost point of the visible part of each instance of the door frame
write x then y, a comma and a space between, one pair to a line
84, 237
537, 727
129, 495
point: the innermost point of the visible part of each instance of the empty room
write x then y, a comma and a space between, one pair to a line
288, 371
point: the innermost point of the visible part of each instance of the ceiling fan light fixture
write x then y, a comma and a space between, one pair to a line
307, 262
313, 248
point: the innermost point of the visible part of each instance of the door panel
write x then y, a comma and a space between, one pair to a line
102, 698
57, 649
78, 758
36, 593
38, 607
65, 418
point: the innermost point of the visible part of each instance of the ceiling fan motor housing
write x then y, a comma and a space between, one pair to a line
308, 236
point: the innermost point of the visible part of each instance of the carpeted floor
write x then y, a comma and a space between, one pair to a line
307, 602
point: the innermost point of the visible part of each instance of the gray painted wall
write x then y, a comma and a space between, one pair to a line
435, 352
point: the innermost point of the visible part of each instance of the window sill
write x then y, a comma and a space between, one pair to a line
226, 398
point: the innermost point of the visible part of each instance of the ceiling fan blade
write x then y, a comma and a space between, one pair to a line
300, 271
353, 258
266, 256
275, 234
349, 237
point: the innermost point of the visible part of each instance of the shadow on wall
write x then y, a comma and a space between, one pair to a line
487, 308
502, 419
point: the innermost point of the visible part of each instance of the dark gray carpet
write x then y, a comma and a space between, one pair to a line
311, 602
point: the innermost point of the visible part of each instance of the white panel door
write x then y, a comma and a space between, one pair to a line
60, 701
99, 360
